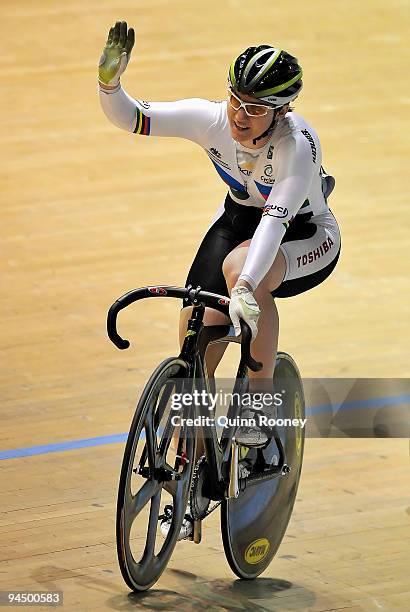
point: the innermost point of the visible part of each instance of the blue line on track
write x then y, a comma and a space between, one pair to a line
376, 402
61, 446
115, 438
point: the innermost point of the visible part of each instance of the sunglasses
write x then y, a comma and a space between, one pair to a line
252, 110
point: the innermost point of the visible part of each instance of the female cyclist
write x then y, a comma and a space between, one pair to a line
274, 235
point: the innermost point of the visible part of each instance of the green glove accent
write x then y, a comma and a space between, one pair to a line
116, 53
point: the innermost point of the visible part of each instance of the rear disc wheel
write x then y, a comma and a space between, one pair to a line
253, 525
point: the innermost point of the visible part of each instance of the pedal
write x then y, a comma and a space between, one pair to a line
243, 471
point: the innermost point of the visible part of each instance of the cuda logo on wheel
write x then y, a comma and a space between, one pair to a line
257, 551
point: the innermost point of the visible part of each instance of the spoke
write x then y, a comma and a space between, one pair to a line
140, 500
166, 437
151, 441
177, 499
170, 487
152, 528
163, 402
143, 458
168, 428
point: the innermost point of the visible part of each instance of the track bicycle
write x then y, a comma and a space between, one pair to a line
254, 487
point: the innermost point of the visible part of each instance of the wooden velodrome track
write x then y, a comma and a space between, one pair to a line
89, 212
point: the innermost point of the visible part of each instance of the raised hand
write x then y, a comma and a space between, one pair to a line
116, 53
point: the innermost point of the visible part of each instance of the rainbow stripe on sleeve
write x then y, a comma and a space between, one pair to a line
143, 125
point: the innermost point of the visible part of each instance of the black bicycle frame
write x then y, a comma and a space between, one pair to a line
192, 353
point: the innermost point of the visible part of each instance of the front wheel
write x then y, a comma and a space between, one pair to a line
156, 471
254, 524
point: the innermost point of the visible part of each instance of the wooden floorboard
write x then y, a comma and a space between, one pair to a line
88, 212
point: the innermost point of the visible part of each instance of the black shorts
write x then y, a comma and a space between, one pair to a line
238, 223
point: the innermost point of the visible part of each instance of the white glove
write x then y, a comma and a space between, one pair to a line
244, 306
